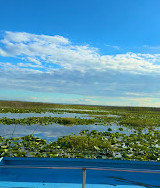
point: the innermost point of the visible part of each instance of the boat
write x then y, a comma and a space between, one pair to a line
77, 173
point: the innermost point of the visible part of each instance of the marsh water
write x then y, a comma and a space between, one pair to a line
47, 114
53, 131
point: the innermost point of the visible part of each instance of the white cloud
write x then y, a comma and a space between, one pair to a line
31, 59
28, 65
141, 100
3, 53
55, 64
151, 47
114, 47
135, 94
59, 50
27, 37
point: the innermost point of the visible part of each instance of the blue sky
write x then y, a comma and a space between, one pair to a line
85, 51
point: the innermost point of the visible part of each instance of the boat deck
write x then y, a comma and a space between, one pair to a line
77, 173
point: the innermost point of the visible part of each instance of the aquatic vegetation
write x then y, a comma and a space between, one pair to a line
126, 119
140, 119
140, 145
126, 116
53, 110
28, 110
87, 144
109, 129
47, 120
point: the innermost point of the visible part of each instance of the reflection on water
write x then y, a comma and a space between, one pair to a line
53, 131
47, 114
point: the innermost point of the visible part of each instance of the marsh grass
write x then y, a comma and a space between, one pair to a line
140, 119
46, 121
130, 119
126, 116
20, 104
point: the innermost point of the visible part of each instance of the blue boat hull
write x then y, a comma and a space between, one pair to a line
56, 172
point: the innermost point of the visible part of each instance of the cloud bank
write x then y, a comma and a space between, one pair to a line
54, 64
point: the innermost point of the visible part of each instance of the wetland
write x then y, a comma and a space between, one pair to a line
79, 131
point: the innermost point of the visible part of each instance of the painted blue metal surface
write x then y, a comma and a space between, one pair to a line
58, 172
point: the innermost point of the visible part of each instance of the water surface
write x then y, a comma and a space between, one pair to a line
47, 114
53, 131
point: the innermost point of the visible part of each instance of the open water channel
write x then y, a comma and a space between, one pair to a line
53, 131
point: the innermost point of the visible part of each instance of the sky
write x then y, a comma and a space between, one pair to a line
97, 52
